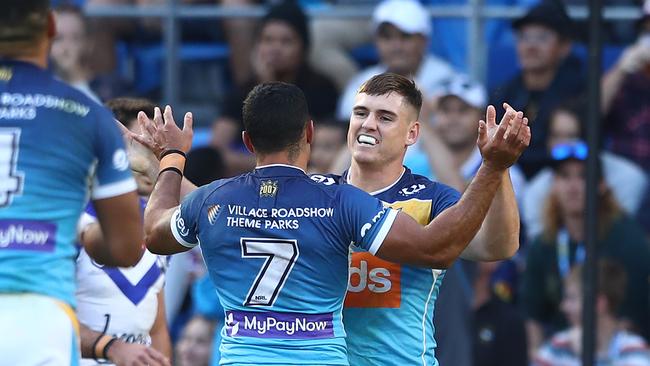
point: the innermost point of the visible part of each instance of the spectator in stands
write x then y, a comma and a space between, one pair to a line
71, 57
626, 179
329, 138
561, 245
280, 54
548, 74
69, 49
402, 32
628, 115
461, 104
195, 345
499, 332
447, 152
614, 346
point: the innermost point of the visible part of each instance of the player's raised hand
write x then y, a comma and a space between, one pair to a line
502, 144
162, 133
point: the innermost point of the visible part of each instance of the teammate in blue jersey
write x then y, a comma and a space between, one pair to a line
389, 307
57, 148
276, 243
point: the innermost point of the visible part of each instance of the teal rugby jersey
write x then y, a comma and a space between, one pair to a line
55, 143
389, 307
277, 245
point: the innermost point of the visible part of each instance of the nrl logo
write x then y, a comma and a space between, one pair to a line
269, 188
212, 213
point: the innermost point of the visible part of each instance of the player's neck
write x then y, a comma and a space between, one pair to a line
282, 158
371, 178
36, 55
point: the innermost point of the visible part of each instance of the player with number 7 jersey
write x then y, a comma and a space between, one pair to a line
277, 244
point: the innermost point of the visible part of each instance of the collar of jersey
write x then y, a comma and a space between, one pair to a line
382, 190
279, 169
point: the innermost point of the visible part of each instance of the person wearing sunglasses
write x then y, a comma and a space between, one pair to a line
560, 247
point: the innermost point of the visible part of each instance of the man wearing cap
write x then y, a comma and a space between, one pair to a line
402, 32
389, 307
54, 141
548, 74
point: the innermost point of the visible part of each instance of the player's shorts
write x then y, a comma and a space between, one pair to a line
37, 330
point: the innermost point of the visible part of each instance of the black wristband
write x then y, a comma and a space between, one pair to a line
171, 169
172, 151
107, 346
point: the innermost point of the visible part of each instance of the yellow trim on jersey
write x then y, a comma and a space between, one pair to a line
418, 209
71, 314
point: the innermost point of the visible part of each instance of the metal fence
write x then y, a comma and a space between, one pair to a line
476, 12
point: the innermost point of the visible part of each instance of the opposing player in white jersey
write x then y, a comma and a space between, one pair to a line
121, 310
389, 307
54, 144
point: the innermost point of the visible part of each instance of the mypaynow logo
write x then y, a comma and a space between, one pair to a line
27, 235
279, 325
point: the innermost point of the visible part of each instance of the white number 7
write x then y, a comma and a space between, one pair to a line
280, 254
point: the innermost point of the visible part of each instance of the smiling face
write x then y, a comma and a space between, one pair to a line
381, 128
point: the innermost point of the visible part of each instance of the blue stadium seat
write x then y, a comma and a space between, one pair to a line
149, 60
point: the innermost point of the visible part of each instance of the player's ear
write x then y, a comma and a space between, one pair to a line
413, 133
51, 26
310, 131
248, 142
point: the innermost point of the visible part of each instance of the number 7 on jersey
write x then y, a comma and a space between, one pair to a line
281, 255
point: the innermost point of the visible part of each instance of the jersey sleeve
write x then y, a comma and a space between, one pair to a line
366, 219
444, 197
184, 221
112, 174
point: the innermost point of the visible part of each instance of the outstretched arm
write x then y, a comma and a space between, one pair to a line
498, 237
438, 244
165, 197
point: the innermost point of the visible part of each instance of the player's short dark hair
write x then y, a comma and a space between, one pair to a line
389, 82
22, 22
275, 115
126, 109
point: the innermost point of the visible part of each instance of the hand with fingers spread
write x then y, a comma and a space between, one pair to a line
502, 144
163, 134
128, 354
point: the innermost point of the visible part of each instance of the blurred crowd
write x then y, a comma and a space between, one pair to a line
516, 312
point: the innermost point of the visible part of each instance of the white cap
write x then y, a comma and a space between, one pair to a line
471, 92
407, 15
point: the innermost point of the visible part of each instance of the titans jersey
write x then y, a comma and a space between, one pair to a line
54, 144
276, 245
389, 307
119, 301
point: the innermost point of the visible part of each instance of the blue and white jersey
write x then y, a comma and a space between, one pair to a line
276, 245
55, 144
389, 307
122, 302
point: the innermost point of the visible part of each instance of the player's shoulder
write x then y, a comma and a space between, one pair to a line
420, 187
223, 187
326, 179
336, 186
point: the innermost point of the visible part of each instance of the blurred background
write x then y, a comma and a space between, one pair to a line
205, 55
